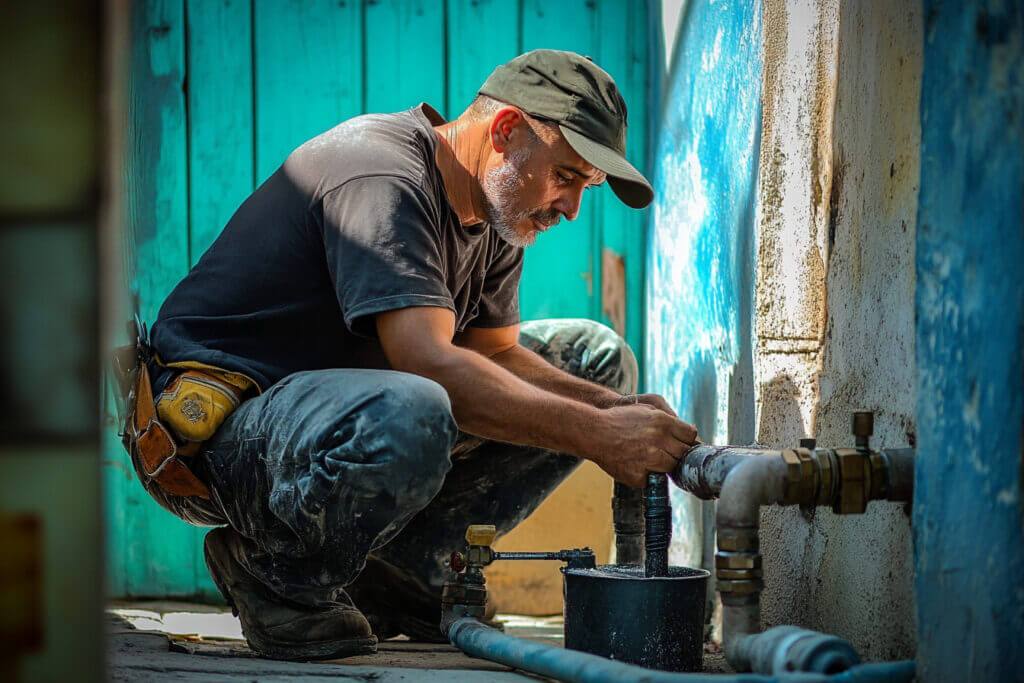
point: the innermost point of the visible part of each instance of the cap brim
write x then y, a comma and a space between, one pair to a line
628, 183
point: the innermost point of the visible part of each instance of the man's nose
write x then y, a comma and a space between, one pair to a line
569, 204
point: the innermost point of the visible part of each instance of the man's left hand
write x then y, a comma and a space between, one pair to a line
655, 401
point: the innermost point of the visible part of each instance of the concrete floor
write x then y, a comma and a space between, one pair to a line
167, 641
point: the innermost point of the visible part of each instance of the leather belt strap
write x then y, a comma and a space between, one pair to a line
157, 451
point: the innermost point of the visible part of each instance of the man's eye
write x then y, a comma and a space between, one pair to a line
564, 179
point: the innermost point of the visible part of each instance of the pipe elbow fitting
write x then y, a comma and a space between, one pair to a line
752, 483
789, 649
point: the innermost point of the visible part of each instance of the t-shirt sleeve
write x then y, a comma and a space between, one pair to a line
383, 249
499, 302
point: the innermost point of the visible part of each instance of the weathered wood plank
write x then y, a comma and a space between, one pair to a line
470, 60
623, 230
405, 40
220, 115
308, 73
220, 130
159, 550
558, 275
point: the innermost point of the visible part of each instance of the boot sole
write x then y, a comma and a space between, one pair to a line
334, 649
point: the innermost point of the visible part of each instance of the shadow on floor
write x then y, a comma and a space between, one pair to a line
150, 641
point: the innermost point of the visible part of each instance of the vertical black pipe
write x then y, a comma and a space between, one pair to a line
628, 518
658, 521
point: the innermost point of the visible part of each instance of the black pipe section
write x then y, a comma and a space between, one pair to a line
900, 485
628, 518
658, 525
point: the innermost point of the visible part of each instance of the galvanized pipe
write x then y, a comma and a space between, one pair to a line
703, 469
752, 482
744, 479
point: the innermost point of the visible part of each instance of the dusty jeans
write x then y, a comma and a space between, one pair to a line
329, 466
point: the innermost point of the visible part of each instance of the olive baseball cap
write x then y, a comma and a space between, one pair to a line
574, 92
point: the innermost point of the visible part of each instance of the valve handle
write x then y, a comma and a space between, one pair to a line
481, 534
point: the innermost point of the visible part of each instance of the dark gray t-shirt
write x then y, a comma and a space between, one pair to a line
354, 223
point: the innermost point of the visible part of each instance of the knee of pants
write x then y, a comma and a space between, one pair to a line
421, 426
415, 416
390, 443
623, 373
607, 358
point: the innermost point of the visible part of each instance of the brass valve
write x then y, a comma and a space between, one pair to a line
845, 478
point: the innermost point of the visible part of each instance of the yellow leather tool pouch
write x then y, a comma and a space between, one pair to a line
197, 402
157, 452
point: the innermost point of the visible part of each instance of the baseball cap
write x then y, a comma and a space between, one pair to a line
572, 91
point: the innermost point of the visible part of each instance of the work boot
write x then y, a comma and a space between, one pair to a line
396, 603
280, 629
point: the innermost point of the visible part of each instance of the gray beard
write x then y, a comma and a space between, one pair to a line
501, 194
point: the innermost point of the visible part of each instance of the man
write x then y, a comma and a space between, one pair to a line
344, 371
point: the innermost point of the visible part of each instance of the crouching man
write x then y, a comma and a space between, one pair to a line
342, 383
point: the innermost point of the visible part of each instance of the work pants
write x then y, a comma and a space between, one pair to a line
329, 466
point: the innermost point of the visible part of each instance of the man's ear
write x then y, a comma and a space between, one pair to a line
502, 126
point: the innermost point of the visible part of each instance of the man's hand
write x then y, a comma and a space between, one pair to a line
651, 400
632, 440
492, 402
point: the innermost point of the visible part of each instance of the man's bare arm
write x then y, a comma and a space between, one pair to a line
489, 401
502, 346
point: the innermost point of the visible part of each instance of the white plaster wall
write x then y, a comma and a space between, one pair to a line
835, 298
794, 179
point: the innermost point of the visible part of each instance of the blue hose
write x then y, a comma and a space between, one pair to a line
878, 672
477, 640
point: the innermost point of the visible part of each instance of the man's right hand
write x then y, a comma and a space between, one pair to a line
630, 441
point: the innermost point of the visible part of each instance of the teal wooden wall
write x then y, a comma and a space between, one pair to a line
222, 90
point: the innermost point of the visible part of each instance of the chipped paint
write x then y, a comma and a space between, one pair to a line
613, 289
699, 284
968, 517
835, 331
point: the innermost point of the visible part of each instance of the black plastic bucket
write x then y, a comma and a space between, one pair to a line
616, 612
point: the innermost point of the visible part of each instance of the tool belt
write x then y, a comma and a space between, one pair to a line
159, 434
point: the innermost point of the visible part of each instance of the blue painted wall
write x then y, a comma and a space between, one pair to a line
969, 541
700, 257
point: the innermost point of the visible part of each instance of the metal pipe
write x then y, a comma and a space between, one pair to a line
703, 469
525, 556
753, 482
657, 525
900, 471
744, 479
628, 519
478, 640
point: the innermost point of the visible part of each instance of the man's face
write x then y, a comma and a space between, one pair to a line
534, 181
